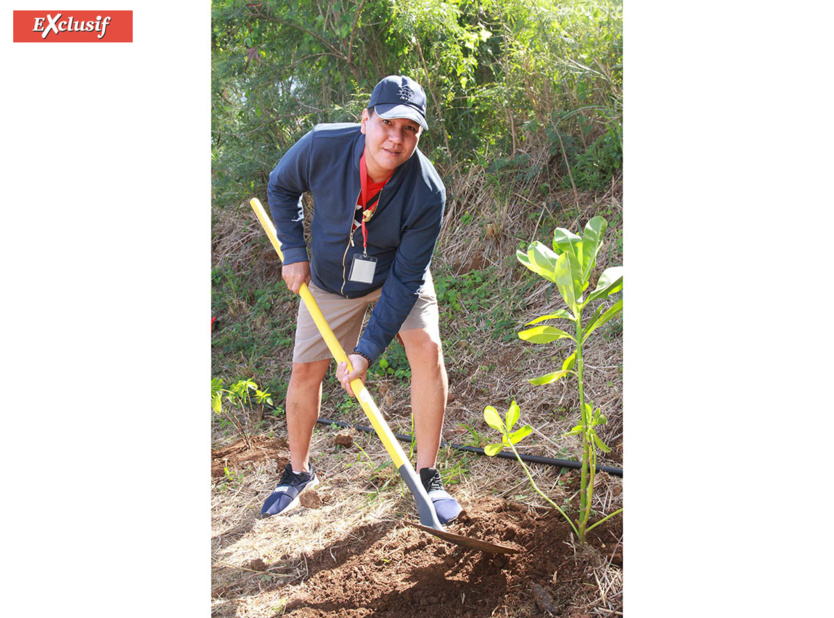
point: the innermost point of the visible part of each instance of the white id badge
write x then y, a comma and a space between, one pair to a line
362, 269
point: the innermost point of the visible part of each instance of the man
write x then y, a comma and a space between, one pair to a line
378, 208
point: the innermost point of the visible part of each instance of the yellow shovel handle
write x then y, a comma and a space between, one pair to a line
359, 390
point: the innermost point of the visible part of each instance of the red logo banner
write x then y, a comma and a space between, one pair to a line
73, 26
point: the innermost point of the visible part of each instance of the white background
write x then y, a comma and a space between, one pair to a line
106, 306
728, 166
105, 318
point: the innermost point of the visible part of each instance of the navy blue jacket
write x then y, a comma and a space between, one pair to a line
401, 234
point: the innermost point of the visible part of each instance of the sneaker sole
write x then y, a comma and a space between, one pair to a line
297, 500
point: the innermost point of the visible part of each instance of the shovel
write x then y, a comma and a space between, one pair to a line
428, 517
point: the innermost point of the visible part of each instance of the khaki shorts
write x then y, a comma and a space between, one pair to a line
346, 316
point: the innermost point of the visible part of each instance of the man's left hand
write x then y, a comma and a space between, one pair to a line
360, 370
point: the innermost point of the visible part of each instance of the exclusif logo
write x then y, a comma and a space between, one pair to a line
73, 26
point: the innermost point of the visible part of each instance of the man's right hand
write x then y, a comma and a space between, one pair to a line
296, 274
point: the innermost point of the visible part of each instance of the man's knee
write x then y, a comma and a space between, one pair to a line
422, 346
309, 374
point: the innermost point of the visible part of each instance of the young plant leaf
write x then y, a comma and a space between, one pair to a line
565, 281
493, 449
217, 402
518, 436
544, 334
612, 312
600, 444
599, 418
539, 259
553, 316
610, 282
587, 412
262, 396
542, 256
216, 385
591, 243
570, 361
512, 415
493, 419
575, 431
588, 325
569, 244
565, 241
549, 378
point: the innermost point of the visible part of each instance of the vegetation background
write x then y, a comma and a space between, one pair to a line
525, 110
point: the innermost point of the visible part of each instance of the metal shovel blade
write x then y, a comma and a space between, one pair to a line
465, 541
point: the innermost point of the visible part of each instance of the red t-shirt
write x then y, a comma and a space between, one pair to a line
368, 196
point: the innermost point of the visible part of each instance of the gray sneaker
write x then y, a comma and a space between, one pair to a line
446, 507
285, 496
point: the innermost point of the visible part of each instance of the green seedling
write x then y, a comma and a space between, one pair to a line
281, 607
505, 428
240, 400
510, 438
569, 265
231, 476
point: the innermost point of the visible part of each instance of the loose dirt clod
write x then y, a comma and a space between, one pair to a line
544, 601
257, 565
310, 499
344, 439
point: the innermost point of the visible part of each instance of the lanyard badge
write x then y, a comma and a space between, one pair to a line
363, 266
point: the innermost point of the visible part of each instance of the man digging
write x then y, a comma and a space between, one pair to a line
378, 210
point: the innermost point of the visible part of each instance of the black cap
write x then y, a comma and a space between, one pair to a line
397, 96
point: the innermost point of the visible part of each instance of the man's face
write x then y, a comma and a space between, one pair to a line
388, 143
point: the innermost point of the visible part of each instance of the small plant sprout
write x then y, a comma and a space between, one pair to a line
239, 398
510, 438
570, 265
505, 428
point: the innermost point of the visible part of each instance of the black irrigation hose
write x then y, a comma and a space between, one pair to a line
564, 463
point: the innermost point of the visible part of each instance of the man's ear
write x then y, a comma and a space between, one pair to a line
365, 118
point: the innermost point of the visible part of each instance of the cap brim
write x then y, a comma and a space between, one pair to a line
401, 111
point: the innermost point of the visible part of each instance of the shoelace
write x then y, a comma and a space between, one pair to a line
291, 478
435, 483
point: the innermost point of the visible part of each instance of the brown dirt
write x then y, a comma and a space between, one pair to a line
387, 568
397, 571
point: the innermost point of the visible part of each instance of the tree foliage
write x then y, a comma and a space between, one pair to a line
507, 81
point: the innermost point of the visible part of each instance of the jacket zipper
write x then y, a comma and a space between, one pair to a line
350, 242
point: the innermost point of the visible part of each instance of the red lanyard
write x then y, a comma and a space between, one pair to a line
363, 177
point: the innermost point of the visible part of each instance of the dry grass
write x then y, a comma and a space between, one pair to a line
249, 552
